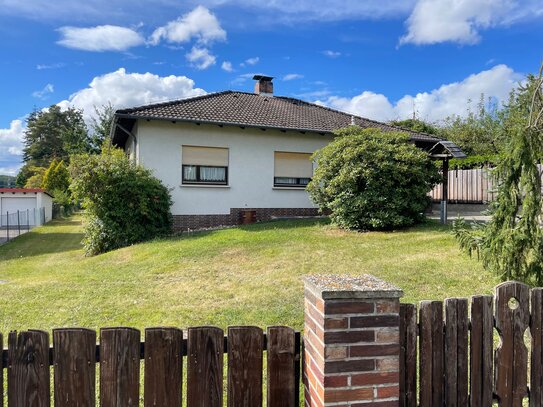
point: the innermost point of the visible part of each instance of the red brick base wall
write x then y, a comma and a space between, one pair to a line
193, 222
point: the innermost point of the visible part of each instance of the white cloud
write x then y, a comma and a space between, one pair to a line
331, 54
436, 105
124, 89
40, 67
11, 147
460, 21
42, 94
200, 23
200, 58
227, 66
100, 38
292, 76
252, 61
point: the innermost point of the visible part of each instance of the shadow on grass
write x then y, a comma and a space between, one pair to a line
35, 244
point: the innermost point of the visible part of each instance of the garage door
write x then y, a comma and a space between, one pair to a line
14, 204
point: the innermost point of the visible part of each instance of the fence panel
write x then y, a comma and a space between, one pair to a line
163, 377
119, 367
28, 369
511, 364
282, 385
245, 346
74, 367
456, 352
536, 361
205, 367
408, 355
431, 354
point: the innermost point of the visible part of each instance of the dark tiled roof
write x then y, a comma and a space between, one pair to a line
252, 110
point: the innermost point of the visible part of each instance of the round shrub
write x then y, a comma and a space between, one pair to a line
124, 203
373, 180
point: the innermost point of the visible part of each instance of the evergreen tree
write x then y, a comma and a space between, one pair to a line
56, 177
101, 125
55, 133
511, 244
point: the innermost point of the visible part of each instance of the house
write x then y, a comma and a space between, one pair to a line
30, 207
227, 153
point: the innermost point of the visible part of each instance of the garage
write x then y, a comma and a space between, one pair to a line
27, 207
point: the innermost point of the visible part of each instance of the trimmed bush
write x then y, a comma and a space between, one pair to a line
124, 203
373, 180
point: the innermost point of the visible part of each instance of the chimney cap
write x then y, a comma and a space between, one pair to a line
262, 78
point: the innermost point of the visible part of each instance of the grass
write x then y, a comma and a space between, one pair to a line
243, 276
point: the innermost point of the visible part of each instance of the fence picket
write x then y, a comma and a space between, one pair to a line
245, 345
536, 331
163, 375
74, 367
456, 352
205, 367
431, 353
28, 369
281, 358
119, 367
511, 357
408, 355
481, 351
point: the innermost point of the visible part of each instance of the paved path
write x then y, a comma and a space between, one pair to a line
468, 212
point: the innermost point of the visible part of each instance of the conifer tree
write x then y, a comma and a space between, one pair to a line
511, 244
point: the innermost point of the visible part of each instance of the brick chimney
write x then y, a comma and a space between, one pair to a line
264, 85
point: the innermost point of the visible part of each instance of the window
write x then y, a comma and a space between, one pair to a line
205, 165
292, 169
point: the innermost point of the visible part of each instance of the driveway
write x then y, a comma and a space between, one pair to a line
470, 212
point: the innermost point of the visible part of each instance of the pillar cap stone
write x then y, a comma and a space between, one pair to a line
335, 286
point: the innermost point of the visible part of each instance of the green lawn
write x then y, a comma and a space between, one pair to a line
249, 275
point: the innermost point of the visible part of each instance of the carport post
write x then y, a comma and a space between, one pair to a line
7, 224
27, 219
445, 191
18, 222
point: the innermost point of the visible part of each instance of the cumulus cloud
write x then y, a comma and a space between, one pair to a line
11, 147
200, 24
42, 94
123, 89
200, 58
292, 76
227, 66
435, 105
460, 21
100, 38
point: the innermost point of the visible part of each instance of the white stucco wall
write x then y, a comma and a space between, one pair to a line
45, 201
251, 165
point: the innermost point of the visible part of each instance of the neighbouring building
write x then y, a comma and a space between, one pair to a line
230, 153
30, 207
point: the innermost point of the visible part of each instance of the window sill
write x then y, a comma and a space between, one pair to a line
290, 188
203, 186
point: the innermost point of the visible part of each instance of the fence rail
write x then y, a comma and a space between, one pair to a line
74, 356
457, 371
13, 224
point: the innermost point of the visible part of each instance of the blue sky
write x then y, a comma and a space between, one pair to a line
380, 59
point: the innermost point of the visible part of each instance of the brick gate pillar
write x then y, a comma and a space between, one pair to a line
352, 342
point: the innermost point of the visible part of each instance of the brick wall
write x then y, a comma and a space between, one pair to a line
351, 338
193, 222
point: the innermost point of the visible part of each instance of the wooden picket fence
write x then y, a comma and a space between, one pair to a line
455, 371
74, 356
